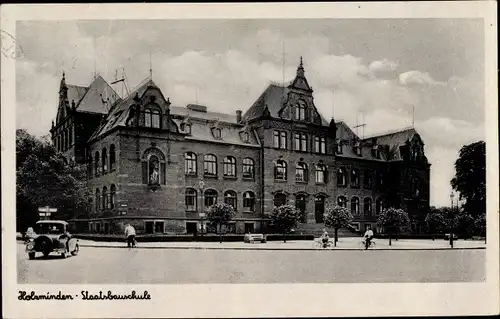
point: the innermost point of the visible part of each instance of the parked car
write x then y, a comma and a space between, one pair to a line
447, 236
51, 236
250, 238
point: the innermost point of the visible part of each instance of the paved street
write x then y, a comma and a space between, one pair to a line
95, 265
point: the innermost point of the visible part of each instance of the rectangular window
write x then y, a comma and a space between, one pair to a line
319, 145
276, 139
283, 140
301, 142
279, 139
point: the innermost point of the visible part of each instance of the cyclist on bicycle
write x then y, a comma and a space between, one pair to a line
325, 238
368, 236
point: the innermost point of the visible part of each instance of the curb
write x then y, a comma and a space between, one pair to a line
290, 249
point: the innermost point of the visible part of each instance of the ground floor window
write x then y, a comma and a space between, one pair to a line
279, 199
300, 204
154, 226
98, 227
191, 227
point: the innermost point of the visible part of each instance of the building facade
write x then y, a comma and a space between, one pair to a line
159, 166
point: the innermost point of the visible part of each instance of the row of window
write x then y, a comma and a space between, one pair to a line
302, 174
64, 140
301, 142
103, 162
210, 166
211, 198
106, 200
367, 205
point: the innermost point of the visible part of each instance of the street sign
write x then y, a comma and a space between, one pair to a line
44, 214
47, 209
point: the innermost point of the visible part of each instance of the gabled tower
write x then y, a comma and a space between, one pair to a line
298, 104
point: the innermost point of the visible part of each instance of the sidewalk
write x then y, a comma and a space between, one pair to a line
345, 243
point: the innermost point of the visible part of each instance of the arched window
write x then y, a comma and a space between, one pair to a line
97, 200
300, 204
415, 185
367, 206
301, 111
229, 166
230, 199
190, 163
245, 137
379, 206
339, 147
66, 139
248, 168
367, 178
320, 174
279, 199
280, 170
210, 165
112, 157
380, 179
342, 201
190, 199
341, 181
355, 177
89, 168
97, 167
105, 198
104, 160
154, 170
210, 197
355, 206
248, 201
301, 172
70, 136
112, 196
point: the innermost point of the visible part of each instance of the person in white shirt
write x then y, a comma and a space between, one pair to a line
368, 236
130, 235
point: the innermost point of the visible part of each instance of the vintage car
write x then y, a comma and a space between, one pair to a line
251, 238
51, 236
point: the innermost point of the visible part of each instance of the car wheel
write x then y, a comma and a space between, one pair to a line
75, 251
31, 255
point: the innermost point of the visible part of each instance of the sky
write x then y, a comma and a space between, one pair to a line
363, 71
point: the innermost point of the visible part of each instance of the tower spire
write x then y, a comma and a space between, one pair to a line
150, 64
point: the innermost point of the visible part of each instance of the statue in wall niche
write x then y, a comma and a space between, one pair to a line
155, 173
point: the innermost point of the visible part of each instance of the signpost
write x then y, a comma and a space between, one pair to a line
46, 211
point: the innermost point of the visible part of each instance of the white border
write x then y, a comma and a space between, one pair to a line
257, 300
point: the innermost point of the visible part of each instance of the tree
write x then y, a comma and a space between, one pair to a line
219, 215
393, 220
435, 221
470, 178
284, 218
337, 217
45, 178
480, 224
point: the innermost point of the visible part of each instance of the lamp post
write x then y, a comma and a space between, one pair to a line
201, 185
452, 216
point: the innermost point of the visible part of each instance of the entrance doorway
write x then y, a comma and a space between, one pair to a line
300, 204
249, 228
319, 208
191, 228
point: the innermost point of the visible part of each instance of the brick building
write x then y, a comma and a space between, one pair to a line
158, 166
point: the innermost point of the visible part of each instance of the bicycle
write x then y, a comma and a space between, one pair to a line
321, 244
364, 245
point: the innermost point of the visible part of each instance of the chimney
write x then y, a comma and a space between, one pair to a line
238, 116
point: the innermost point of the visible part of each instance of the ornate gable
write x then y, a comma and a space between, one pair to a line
299, 102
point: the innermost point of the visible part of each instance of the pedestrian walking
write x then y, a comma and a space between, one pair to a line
130, 235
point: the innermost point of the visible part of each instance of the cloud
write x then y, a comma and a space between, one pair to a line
417, 77
384, 65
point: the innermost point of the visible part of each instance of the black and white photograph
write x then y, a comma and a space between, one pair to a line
161, 155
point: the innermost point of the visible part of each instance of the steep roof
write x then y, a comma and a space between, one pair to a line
272, 97
202, 122
92, 101
76, 93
